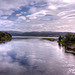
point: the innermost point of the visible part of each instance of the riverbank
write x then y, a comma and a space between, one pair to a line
68, 41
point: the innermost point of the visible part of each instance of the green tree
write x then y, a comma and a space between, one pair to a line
60, 38
67, 37
5, 36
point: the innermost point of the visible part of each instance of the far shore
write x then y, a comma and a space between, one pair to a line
32, 37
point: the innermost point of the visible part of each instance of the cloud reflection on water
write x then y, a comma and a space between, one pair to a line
32, 57
16, 58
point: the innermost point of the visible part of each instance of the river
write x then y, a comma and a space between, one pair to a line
35, 57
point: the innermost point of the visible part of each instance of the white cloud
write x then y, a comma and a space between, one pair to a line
6, 12
9, 4
18, 14
7, 7
21, 13
21, 18
6, 23
33, 10
37, 14
53, 7
69, 1
4, 17
41, 15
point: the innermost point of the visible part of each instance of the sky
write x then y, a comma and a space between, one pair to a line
37, 15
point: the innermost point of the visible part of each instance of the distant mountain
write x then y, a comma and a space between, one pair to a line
43, 33
15, 33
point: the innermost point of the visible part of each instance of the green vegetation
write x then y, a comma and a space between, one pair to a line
68, 40
4, 36
50, 39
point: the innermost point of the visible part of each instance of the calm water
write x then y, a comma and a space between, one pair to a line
35, 57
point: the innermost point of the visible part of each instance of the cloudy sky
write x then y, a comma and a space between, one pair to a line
37, 15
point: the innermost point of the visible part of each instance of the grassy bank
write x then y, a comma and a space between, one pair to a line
50, 39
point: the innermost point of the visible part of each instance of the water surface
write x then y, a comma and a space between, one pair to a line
35, 57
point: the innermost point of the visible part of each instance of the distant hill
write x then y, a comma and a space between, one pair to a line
49, 33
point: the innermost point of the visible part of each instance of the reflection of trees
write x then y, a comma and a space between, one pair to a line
3, 42
67, 50
60, 45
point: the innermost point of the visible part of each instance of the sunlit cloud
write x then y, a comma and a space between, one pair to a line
69, 1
